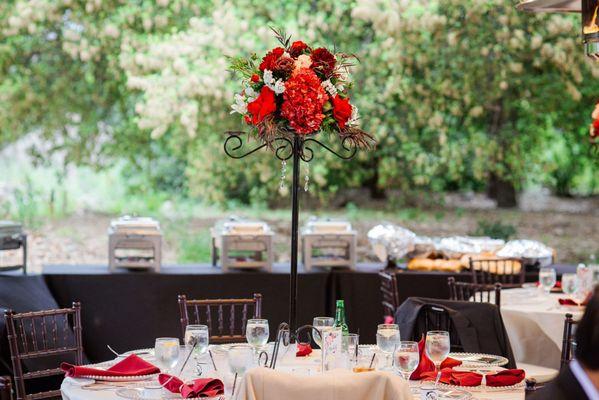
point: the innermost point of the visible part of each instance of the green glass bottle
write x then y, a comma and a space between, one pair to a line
340, 317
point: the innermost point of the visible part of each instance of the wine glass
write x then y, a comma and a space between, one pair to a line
437, 349
197, 335
387, 339
166, 351
547, 278
406, 359
241, 358
256, 333
569, 284
320, 322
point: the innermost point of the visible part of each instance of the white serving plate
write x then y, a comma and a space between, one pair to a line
479, 359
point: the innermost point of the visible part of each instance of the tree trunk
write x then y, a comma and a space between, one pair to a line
502, 191
376, 192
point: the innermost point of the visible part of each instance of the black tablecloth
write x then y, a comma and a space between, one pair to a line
130, 309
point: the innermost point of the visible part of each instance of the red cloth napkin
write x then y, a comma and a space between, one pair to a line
570, 302
506, 377
303, 349
426, 365
208, 387
449, 376
130, 366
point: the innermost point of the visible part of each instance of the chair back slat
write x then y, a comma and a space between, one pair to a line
229, 328
478, 292
389, 292
434, 318
567, 340
28, 339
508, 271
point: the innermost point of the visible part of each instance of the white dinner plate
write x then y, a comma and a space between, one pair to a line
132, 378
479, 359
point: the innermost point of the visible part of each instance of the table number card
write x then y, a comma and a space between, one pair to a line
332, 354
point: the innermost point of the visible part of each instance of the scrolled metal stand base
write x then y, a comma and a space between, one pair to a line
299, 148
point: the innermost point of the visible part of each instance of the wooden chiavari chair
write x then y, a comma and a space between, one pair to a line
510, 272
389, 292
435, 318
567, 340
202, 312
467, 291
5, 388
41, 334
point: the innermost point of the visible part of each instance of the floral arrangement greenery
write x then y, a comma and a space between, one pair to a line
297, 89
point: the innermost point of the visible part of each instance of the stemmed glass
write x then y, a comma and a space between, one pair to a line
387, 339
257, 333
437, 349
198, 336
320, 322
406, 359
166, 351
241, 358
569, 284
547, 278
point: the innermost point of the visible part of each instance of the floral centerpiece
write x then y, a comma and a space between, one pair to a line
297, 89
594, 128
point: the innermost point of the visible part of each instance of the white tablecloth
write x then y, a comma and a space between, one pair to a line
71, 388
535, 323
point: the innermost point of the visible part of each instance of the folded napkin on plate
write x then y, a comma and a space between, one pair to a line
303, 349
426, 365
450, 376
208, 387
131, 366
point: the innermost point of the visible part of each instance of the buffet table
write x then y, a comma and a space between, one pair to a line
79, 389
534, 322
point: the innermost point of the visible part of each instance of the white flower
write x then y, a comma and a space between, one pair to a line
240, 106
355, 116
329, 87
277, 86
303, 61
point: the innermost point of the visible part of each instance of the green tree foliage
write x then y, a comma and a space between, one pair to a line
455, 91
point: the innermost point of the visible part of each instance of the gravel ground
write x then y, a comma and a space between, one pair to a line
82, 239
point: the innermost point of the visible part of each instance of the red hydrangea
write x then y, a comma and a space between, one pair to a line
264, 105
270, 59
297, 48
341, 110
323, 61
304, 98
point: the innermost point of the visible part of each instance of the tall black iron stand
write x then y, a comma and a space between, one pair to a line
298, 148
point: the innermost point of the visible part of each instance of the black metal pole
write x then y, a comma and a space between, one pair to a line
297, 148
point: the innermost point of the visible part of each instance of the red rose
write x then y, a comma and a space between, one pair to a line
323, 61
255, 78
297, 48
595, 129
270, 59
341, 110
263, 105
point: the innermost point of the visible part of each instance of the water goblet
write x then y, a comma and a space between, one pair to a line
569, 284
547, 279
319, 323
241, 358
257, 333
387, 339
437, 349
166, 351
406, 359
197, 339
